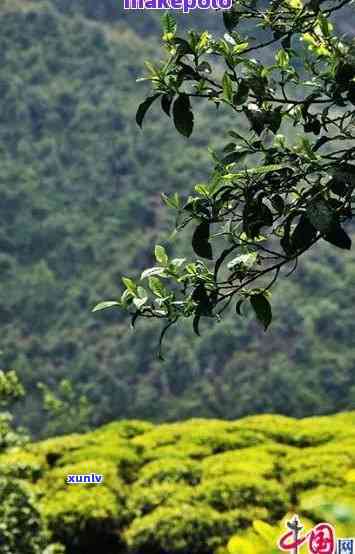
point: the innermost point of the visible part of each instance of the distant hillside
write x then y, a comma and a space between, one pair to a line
80, 205
186, 488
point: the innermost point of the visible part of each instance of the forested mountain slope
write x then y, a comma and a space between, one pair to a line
80, 192
189, 487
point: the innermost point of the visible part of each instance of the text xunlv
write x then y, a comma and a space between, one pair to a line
87, 478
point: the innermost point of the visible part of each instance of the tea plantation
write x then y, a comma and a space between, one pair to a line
189, 487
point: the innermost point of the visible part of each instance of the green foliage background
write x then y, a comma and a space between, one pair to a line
80, 206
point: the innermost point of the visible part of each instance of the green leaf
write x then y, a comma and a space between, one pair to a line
183, 47
313, 126
255, 216
278, 203
200, 296
338, 237
230, 147
256, 119
183, 116
325, 25
202, 189
262, 309
200, 241
166, 101
141, 298
126, 298
297, 4
150, 272
242, 94
178, 262
129, 284
157, 287
240, 47
235, 157
171, 201
274, 120
255, 171
303, 235
245, 260
161, 255
282, 59
168, 23
104, 305
227, 87
337, 186
144, 107
321, 216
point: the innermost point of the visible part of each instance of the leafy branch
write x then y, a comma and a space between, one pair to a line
270, 198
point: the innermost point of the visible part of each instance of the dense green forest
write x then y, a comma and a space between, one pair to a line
80, 207
189, 487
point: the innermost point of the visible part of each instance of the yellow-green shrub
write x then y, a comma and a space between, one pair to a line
289, 431
81, 517
308, 469
171, 470
254, 460
124, 457
214, 435
21, 464
182, 529
143, 500
243, 491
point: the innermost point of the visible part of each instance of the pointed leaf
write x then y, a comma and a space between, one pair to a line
262, 309
168, 23
161, 255
166, 101
255, 171
338, 237
227, 87
235, 157
200, 241
129, 284
303, 235
183, 116
104, 305
157, 287
246, 260
242, 94
150, 272
139, 302
144, 107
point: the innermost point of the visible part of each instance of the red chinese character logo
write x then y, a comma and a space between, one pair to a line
321, 539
